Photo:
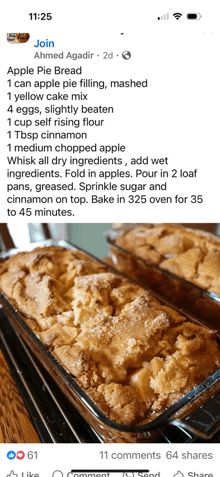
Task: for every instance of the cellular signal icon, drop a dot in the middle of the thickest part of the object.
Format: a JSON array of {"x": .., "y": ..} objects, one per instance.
[
  {"x": 164, "y": 17},
  {"x": 177, "y": 15}
]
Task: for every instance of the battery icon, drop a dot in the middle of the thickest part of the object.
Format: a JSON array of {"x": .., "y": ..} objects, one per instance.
[{"x": 193, "y": 16}]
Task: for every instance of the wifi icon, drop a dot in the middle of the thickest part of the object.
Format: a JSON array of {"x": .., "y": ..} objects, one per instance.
[{"x": 177, "y": 15}]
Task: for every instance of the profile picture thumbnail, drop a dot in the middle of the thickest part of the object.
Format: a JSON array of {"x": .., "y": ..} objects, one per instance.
[{"x": 18, "y": 37}]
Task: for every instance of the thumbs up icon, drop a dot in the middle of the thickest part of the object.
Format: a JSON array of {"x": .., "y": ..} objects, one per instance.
[{"x": 12, "y": 474}]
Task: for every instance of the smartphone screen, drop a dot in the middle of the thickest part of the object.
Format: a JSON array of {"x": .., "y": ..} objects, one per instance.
[{"x": 110, "y": 127}]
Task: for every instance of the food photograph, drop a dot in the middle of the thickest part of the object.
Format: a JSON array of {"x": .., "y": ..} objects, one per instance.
[{"x": 110, "y": 333}]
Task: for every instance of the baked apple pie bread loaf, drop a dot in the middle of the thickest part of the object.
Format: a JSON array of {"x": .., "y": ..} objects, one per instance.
[
  {"x": 190, "y": 254},
  {"x": 132, "y": 355}
]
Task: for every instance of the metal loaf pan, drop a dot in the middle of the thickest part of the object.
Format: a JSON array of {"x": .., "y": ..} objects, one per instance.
[{"x": 198, "y": 411}]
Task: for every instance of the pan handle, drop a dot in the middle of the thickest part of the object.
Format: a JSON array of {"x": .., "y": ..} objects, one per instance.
[{"x": 204, "y": 421}]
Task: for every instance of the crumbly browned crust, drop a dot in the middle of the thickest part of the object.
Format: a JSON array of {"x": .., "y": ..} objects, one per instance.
[
  {"x": 190, "y": 254},
  {"x": 132, "y": 355}
]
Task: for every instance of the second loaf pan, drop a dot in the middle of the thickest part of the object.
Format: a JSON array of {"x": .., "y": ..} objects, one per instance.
[{"x": 183, "y": 295}]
